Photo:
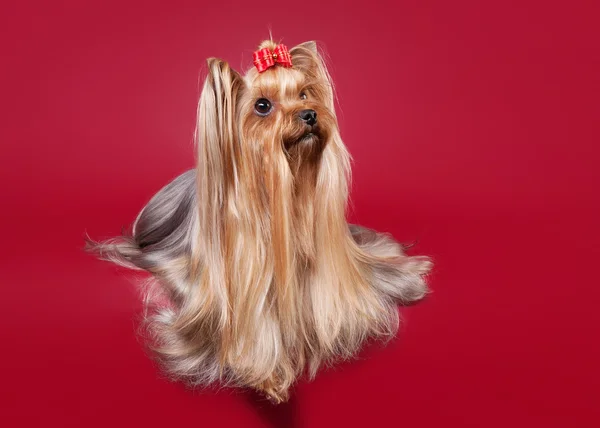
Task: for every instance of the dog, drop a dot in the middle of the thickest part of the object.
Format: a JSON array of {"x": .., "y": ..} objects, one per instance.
[{"x": 261, "y": 279}]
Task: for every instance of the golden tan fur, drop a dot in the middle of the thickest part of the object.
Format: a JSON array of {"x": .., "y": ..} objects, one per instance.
[{"x": 264, "y": 277}]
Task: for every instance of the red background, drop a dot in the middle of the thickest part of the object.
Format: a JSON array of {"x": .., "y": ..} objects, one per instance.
[{"x": 473, "y": 126}]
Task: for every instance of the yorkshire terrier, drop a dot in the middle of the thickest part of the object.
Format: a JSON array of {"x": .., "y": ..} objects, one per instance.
[{"x": 263, "y": 280}]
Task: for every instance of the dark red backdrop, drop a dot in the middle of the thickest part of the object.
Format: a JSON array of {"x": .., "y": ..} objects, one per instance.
[{"x": 474, "y": 129}]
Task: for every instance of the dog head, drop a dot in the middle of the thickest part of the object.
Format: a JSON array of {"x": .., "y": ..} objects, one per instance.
[
  {"x": 281, "y": 113},
  {"x": 289, "y": 108}
]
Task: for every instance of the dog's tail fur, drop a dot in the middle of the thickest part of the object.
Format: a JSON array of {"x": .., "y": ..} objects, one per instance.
[{"x": 159, "y": 232}]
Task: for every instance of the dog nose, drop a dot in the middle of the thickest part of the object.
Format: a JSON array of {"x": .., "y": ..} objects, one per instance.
[{"x": 309, "y": 116}]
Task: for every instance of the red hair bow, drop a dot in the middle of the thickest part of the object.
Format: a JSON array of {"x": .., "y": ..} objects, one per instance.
[{"x": 265, "y": 58}]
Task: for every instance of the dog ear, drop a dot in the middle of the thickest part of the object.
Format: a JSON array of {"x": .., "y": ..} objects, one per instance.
[
  {"x": 305, "y": 56},
  {"x": 218, "y": 106},
  {"x": 307, "y": 59},
  {"x": 217, "y": 140},
  {"x": 310, "y": 45}
]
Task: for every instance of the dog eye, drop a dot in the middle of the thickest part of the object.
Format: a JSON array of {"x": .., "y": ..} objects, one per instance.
[
  {"x": 303, "y": 95},
  {"x": 263, "y": 107}
]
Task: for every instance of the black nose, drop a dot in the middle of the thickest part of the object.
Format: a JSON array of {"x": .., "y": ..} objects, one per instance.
[{"x": 309, "y": 116}]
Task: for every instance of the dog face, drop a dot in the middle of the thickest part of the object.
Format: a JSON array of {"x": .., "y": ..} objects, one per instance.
[{"x": 287, "y": 108}]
